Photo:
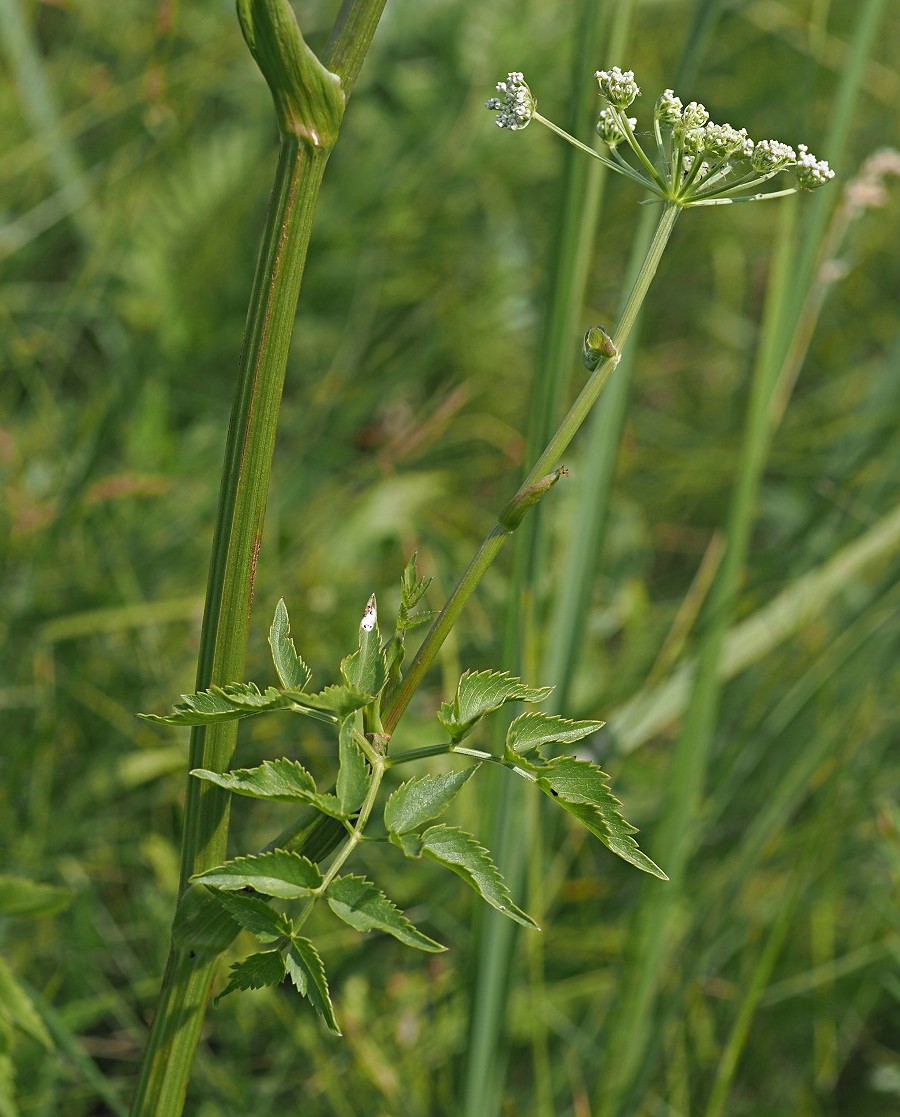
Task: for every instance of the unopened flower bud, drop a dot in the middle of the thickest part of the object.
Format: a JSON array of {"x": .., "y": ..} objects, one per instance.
[
  {"x": 668, "y": 108},
  {"x": 722, "y": 140},
  {"x": 694, "y": 116},
  {"x": 609, "y": 127},
  {"x": 687, "y": 164},
  {"x": 772, "y": 155},
  {"x": 619, "y": 88}
]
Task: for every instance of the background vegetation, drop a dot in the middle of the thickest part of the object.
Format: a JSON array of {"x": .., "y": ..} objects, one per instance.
[{"x": 138, "y": 157}]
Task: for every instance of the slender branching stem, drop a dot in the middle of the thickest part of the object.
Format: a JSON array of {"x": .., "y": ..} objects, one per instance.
[{"x": 547, "y": 462}]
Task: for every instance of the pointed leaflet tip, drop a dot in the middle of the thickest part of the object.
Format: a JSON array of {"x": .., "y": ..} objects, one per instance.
[
  {"x": 370, "y": 616},
  {"x": 292, "y": 671}
]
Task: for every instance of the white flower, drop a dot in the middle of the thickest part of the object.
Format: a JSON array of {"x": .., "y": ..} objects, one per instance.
[
  {"x": 619, "y": 88},
  {"x": 772, "y": 155},
  {"x": 811, "y": 172},
  {"x": 722, "y": 140}
]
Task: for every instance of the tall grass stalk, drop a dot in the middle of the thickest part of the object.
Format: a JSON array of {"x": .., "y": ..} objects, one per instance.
[
  {"x": 655, "y": 707},
  {"x": 582, "y": 195},
  {"x": 23, "y": 58},
  {"x": 309, "y": 99},
  {"x": 653, "y": 929}
]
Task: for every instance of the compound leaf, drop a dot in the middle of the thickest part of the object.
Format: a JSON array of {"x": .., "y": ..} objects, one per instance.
[{"x": 366, "y": 908}]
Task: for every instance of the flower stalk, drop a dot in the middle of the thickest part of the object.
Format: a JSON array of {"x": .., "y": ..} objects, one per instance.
[{"x": 696, "y": 162}]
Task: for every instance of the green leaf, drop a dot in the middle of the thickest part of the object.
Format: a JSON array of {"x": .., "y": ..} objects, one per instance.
[
  {"x": 366, "y": 908},
  {"x": 364, "y": 669},
  {"x": 292, "y": 671},
  {"x": 218, "y": 704},
  {"x": 16, "y": 1005},
  {"x": 460, "y": 852},
  {"x": 481, "y": 692},
  {"x": 255, "y": 972},
  {"x": 248, "y": 696},
  {"x": 289, "y": 876},
  {"x": 282, "y": 780},
  {"x": 422, "y": 799},
  {"x": 353, "y": 773},
  {"x": 412, "y": 587},
  {"x": 341, "y": 701},
  {"x": 255, "y": 916},
  {"x": 529, "y": 731},
  {"x": 308, "y": 974},
  {"x": 21, "y": 896},
  {"x": 583, "y": 790},
  {"x": 414, "y": 620}
]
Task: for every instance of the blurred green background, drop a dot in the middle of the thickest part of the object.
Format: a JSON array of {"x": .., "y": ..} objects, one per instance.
[{"x": 139, "y": 151}]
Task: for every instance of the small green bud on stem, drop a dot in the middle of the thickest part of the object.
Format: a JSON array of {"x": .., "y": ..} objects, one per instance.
[
  {"x": 513, "y": 513},
  {"x": 598, "y": 346}
]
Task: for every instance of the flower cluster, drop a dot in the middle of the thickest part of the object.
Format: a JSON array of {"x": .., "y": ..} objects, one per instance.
[
  {"x": 619, "y": 89},
  {"x": 811, "y": 172},
  {"x": 696, "y": 162},
  {"x": 609, "y": 127},
  {"x": 517, "y": 105}
]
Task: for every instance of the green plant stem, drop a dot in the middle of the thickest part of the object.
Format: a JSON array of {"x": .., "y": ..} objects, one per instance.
[
  {"x": 548, "y": 461},
  {"x": 515, "y": 819},
  {"x": 242, "y": 500},
  {"x": 352, "y": 841}
]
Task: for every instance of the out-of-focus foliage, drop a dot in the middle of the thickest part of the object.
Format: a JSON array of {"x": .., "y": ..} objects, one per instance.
[{"x": 137, "y": 160}]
